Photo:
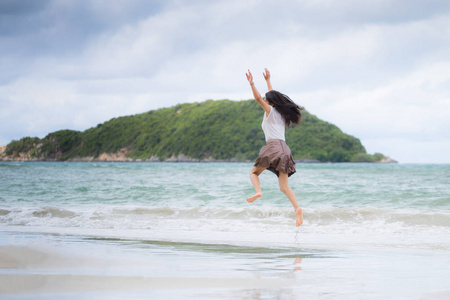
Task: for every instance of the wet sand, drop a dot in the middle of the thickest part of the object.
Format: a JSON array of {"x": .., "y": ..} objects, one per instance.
[
  {"x": 50, "y": 266},
  {"x": 37, "y": 270}
]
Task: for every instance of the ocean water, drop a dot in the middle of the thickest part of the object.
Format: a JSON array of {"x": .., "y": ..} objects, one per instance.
[{"x": 370, "y": 231}]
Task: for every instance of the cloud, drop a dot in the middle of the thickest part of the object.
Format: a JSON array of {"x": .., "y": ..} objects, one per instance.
[
  {"x": 376, "y": 69},
  {"x": 411, "y": 110},
  {"x": 407, "y": 150}
]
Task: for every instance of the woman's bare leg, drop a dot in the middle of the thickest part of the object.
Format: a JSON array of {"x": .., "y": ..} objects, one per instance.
[
  {"x": 256, "y": 171},
  {"x": 283, "y": 180}
]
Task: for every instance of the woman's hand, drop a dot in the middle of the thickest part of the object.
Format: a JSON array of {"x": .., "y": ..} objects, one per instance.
[
  {"x": 256, "y": 94},
  {"x": 266, "y": 74},
  {"x": 249, "y": 77}
]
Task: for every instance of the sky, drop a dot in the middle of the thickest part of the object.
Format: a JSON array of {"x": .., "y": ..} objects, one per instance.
[{"x": 379, "y": 70}]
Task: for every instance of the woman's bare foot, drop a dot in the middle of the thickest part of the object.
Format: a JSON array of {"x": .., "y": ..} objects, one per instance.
[
  {"x": 298, "y": 216},
  {"x": 254, "y": 197}
]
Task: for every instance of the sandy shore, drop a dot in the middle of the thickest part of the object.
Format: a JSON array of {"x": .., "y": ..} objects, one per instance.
[
  {"x": 26, "y": 269},
  {"x": 58, "y": 266},
  {"x": 39, "y": 283}
]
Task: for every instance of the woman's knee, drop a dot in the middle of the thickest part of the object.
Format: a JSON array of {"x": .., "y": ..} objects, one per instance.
[
  {"x": 283, "y": 182},
  {"x": 284, "y": 189},
  {"x": 256, "y": 171}
]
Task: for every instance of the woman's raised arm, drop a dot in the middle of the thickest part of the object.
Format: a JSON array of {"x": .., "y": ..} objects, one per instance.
[
  {"x": 266, "y": 75},
  {"x": 256, "y": 94}
]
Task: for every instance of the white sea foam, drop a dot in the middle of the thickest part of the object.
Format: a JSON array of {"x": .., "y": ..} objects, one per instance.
[
  {"x": 115, "y": 215},
  {"x": 333, "y": 226}
]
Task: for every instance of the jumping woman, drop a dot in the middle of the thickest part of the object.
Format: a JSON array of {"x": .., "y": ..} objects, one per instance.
[{"x": 279, "y": 112}]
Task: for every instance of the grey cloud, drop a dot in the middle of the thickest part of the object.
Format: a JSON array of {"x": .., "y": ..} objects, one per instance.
[
  {"x": 61, "y": 29},
  {"x": 20, "y": 7},
  {"x": 332, "y": 13}
]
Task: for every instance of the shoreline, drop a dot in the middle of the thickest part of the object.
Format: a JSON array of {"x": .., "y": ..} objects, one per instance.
[
  {"x": 122, "y": 156},
  {"x": 47, "y": 266},
  {"x": 33, "y": 268},
  {"x": 177, "y": 160}
]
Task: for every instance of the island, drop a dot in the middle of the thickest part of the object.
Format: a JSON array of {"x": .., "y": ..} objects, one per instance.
[{"x": 213, "y": 130}]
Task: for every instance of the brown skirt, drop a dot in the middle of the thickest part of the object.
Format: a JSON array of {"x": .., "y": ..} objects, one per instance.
[{"x": 276, "y": 157}]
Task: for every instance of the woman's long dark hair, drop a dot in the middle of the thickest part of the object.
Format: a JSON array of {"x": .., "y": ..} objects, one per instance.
[{"x": 290, "y": 111}]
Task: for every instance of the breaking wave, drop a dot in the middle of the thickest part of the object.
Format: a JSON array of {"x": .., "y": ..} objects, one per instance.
[{"x": 123, "y": 216}]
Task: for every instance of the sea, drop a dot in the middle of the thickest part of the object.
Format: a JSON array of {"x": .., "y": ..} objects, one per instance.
[{"x": 185, "y": 231}]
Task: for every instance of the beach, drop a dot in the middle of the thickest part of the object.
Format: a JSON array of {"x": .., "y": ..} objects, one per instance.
[{"x": 184, "y": 231}]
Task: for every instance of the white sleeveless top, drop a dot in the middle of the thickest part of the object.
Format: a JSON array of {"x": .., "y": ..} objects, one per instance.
[{"x": 273, "y": 125}]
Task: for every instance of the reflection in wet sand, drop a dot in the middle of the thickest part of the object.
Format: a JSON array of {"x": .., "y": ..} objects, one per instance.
[{"x": 297, "y": 262}]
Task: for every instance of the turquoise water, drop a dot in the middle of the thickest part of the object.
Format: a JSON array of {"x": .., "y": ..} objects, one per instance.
[
  {"x": 154, "y": 195},
  {"x": 223, "y": 184},
  {"x": 366, "y": 225}
]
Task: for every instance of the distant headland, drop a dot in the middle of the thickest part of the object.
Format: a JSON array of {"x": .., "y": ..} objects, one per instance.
[{"x": 222, "y": 130}]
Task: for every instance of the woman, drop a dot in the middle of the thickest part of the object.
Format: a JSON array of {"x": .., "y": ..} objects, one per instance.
[{"x": 275, "y": 156}]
